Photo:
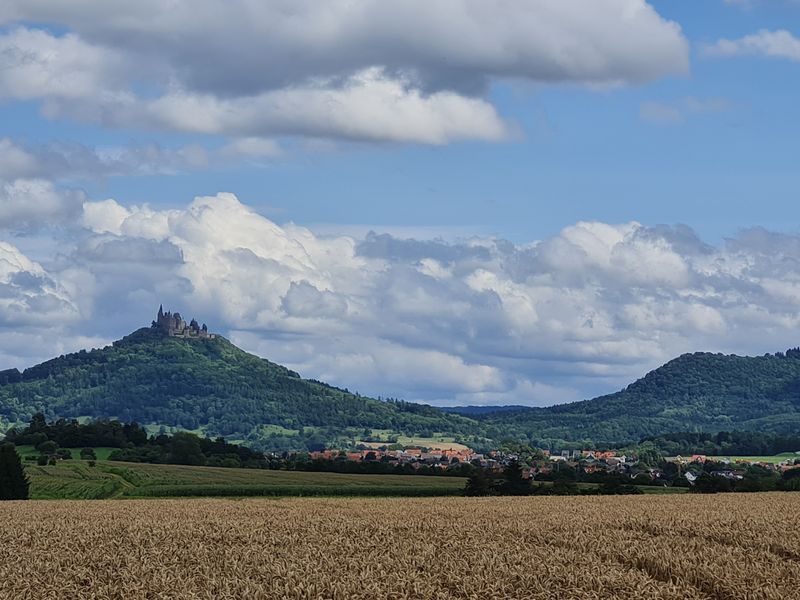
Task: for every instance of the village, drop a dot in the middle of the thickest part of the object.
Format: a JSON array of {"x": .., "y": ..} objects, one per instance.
[
  {"x": 540, "y": 462},
  {"x": 544, "y": 465}
]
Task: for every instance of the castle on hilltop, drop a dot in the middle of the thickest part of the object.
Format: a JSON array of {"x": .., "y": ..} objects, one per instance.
[{"x": 174, "y": 326}]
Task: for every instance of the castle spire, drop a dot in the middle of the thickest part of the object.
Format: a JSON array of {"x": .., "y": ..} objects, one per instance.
[{"x": 161, "y": 311}]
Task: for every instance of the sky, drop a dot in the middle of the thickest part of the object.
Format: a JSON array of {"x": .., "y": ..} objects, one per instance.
[{"x": 459, "y": 202}]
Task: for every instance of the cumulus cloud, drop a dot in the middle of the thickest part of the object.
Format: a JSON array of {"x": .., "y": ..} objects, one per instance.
[
  {"x": 29, "y": 296},
  {"x": 773, "y": 44},
  {"x": 371, "y": 70},
  {"x": 479, "y": 320}
]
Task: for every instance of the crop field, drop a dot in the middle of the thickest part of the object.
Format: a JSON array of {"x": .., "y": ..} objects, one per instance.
[
  {"x": 77, "y": 480},
  {"x": 678, "y": 547}
]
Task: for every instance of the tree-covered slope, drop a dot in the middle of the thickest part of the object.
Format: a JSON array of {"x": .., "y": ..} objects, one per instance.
[
  {"x": 207, "y": 384},
  {"x": 694, "y": 392}
]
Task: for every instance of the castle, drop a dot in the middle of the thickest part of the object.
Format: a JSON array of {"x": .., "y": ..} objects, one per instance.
[{"x": 174, "y": 326}]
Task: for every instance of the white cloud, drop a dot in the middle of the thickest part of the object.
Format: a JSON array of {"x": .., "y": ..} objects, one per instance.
[
  {"x": 368, "y": 106},
  {"x": 471, "y": 321},
  {"x": 35, "y": 64},
  {"x": 252, "y": 147},
  {"x": 31, "y": 203},
  {"x": 773, "y": 44},
  {"x": 677, "y": 112},
  {"x": 73, "y": 162},
  {"x": 377, "y": 70},
  {"x": 29, "y": 296}
]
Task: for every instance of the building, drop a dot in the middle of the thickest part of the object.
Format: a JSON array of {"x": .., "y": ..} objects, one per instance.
[{"x": 173, "y": 325}]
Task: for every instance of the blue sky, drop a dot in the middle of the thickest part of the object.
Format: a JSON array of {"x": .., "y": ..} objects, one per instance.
[{"x": 573, "y": 142}]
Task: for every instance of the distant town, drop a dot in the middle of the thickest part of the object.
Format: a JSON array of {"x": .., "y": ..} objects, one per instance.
[{"x": 541, "y": 463}]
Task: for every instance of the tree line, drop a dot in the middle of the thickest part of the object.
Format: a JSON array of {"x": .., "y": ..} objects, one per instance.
[{"x": 53, "y": 441}]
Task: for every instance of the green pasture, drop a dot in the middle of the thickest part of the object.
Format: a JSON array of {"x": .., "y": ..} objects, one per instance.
[
  {"x": 76, "y": 479},
  {"x": 774, "y": 460},
  {"x": 102, "y": 453}
]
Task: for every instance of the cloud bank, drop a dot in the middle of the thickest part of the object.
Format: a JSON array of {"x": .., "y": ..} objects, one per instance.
[
  {"x": 474, "y": 321},
  {"x": 371, "y": 70}
]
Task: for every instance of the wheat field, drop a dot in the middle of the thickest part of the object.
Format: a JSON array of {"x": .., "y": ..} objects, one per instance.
[{"x": 722, "y": 547}]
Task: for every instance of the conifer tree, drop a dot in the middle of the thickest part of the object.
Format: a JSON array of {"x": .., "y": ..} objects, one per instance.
[
  {"x": 477, "y": 484},
  {"x": 515, "y": 484},
  {"x": 13, "y": 481}
]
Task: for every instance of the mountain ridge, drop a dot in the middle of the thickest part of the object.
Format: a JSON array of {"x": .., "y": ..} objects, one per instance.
[
  {"x": 698, "y": 391},
  {"x": 208, "y": 384}
]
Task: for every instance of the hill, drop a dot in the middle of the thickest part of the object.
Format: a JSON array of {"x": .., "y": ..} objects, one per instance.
[
  {"x": 694, "y": 392},
  {"x": 210, "y": 386}
]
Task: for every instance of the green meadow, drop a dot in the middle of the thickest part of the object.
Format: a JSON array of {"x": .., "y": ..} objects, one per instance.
[{"x": 78, "y": 480}]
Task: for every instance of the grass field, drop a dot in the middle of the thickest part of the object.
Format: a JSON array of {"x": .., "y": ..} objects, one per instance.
[
  {"x": 102, "y": 453},
  {"x": 773, "y": 459},
  {"x": 77, "y": 480},
  {"x": 732, "y": 546},
  {"x": 436, "y": 442},
  {"x": 777, "y": 458}
]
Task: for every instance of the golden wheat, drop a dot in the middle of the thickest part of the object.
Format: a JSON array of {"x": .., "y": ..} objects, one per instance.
[{"x": 729, "y": 546}]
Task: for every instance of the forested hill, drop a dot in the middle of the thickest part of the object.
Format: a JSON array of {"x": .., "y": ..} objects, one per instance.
[
  {"x": 694, "y": 392},
  {"x": 211, "y": 386}
]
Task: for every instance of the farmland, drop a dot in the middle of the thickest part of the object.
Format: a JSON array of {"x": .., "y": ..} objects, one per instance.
[
  {"x": 677, "y": 547},
  {"x": 78, "y": 480}
]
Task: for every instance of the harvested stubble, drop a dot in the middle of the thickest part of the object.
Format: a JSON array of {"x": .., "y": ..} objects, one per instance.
[{"x": 729, "y": 546}]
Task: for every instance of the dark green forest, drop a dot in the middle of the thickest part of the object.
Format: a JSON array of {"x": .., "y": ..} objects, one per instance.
[
  {"x": 724, "y": 443},
  {"x": 699, "y": 392}
]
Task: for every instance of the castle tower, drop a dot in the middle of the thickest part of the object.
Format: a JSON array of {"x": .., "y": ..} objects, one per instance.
[{"x": 174, "y": 326}]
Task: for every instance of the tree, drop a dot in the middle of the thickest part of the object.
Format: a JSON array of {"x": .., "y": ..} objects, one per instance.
[
  {"x": 88, "y": 454},
  {"x": 47, "y": 447},
  {"x": 186, "y": 450},
  {"x": 514, "y": 484},
  {"x": 477, "y": 484},
  {"x": 13, "y": 481},
  {"x": 710, "y": 484}
]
